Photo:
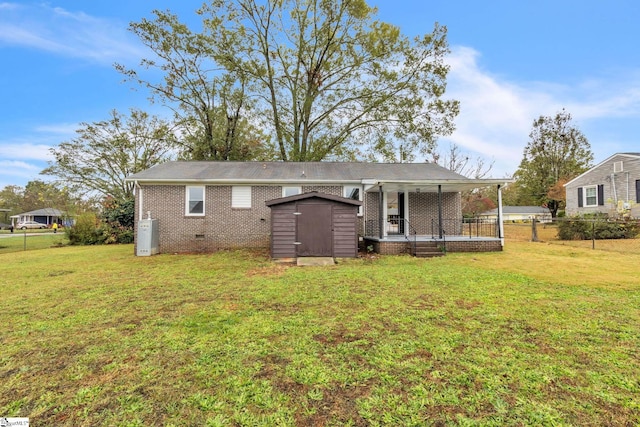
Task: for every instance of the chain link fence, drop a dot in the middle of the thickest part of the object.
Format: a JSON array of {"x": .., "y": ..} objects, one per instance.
[
  {"x": 27, "y": 240},
  {"x": 591, "y": 233}
]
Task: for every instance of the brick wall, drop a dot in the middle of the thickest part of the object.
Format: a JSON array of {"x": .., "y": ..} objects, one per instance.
[
  {"x": 371, "y": 210},
  {"x": 222, "y": 227},
  {"x": 334, "y": 190},
  {"x": 396, "y": 248},
  {"x": 423, "y": 212},
  {"x": 473, "y": 246}
]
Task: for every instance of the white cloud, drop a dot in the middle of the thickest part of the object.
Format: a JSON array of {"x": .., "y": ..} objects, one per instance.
[
  {"x": 17, "y": 172},
  {"x": 26, "y": 151},
  {"x": 73, "y": 34},
  {"x": 496, "y": 114}
]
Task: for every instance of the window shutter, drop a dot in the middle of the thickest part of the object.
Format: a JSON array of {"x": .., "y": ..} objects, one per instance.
[
  {"x": 637, "y": 190},
  {"x": 601, "y": 195},
  {"x": 240, "y": 197},
  {"x": 579, "y": 197}
]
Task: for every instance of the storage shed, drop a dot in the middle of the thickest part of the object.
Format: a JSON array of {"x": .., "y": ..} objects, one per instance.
[{"x": 314, "y": 224}]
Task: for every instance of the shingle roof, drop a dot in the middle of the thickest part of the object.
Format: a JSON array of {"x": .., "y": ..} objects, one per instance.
[
  {"x": 44, "y": 212},
  {"x": 519, "y": 210},
  {"x": 310, "y": 195},
  {"x": 293, "y": 171}
]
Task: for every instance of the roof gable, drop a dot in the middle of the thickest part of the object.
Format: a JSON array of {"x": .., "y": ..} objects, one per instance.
[
  {"x": 605, "y": 161},
  {"x": 312, "y": 194}
]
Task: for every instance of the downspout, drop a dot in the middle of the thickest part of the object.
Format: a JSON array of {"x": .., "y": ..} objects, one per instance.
[
  {"x": 500, "y": 224},
  {"x": 440, "y": 211},
  {"x": 139, "y": 197},
  {"x": 380, "y": 213}
]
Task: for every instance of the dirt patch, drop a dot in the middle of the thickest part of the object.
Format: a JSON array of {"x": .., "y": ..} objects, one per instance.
[
  {"x": 338, "y": 336},
  {"x": 338, "y": 406},
  {"x": 270, "y": 270},
  {"x": 467, "y": 305}
]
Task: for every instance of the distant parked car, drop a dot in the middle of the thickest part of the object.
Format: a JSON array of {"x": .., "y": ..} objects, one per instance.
[{"x": 30, "y": 224}]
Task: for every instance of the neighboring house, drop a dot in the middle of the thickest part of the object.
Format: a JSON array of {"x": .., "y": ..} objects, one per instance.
[
  {"x": 207, "y": 206},
  {"x": 519, "y": 213},
  {"x": 612, "y": 187},
  {"x": 46, "y": 216}
]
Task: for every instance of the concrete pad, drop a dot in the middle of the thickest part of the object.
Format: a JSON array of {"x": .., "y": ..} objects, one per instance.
[{"x": 315, "y": 260}]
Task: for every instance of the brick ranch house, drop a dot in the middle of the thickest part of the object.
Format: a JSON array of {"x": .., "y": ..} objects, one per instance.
[{"x": 203, "y": 206}]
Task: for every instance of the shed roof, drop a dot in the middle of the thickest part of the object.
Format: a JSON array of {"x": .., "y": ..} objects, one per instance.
[{"x": 312, "y": 194}]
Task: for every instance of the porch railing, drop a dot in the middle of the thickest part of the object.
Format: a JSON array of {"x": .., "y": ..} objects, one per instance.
[
  {"x": 467, "y": 227},
  {"x": 411, "y": 231},
  {"x": 461, "y": 227}
]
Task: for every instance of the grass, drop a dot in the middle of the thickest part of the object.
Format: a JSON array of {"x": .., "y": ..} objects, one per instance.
[
  {"x": 536, "y": 335},
  {"x": 16, "y": 242},
  {"x": 548, "y": 233}
]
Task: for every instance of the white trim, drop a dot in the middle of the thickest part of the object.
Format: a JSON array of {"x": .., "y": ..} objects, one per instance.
[
  {"x": 187, "y": 199},
  {"x": 585, "y": 197}
]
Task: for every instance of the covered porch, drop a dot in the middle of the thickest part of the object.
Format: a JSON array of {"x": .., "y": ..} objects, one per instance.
[{"x": 402, "y": 217}]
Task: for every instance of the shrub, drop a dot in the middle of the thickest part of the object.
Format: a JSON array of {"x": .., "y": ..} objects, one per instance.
[
  {"x": 117, "y": 221},
  {"x": 85, "y": 231},
  {"x": 597, "y": 226}
]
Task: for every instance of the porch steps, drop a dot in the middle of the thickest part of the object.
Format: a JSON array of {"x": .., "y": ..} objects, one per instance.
[{"x": 425, "y": 249}]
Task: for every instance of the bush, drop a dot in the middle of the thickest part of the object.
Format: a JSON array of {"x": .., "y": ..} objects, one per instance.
[
  {"x": 117, "y": 221},
  {"x": 115, "y": 224},
  {"x": 85, "y": 231},
  {"x": 597, "y": 226}
]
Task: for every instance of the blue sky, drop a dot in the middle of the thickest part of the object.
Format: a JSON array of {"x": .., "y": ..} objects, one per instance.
[{"x": 511, "y": 62}]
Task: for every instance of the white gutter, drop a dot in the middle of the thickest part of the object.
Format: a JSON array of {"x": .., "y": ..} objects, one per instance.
[{"x": 139, "y": 189}]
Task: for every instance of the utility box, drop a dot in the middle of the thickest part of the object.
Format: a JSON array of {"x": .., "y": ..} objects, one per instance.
[{"x": 147, "y": 243}]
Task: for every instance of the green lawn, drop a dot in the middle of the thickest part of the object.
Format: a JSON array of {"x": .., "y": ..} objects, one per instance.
[
  {"x": 536, "y": 335},
  {"x": 17, "y": 241}
]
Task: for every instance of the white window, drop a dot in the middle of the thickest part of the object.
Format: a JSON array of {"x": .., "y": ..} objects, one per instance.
[
  {"x": 354, "y": 192},
  {"x": 240, "y": 197},
  {"x": 291, "y": 191},
  {"x": 194, "y": 203},
  {"x": 591, "y": 196}
]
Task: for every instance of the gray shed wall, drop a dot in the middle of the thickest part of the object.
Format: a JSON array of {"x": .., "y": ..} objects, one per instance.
[{"x": 344, "y": 228}]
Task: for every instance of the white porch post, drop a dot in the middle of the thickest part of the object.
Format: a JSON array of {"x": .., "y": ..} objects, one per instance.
[
  {"x": 500, "y": 223},
  {"x": 385, "y": 212},
  {"x": 440, "y": 211},
  {"x": 406, "y": 213},
  {"x": 380, "y": 213}
]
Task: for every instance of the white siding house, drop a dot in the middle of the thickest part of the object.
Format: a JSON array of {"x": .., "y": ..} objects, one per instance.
[{"x": 611, "y": 187}]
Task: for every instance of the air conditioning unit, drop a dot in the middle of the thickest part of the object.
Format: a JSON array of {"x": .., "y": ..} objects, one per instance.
[{"x": 147, "y": 242}]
